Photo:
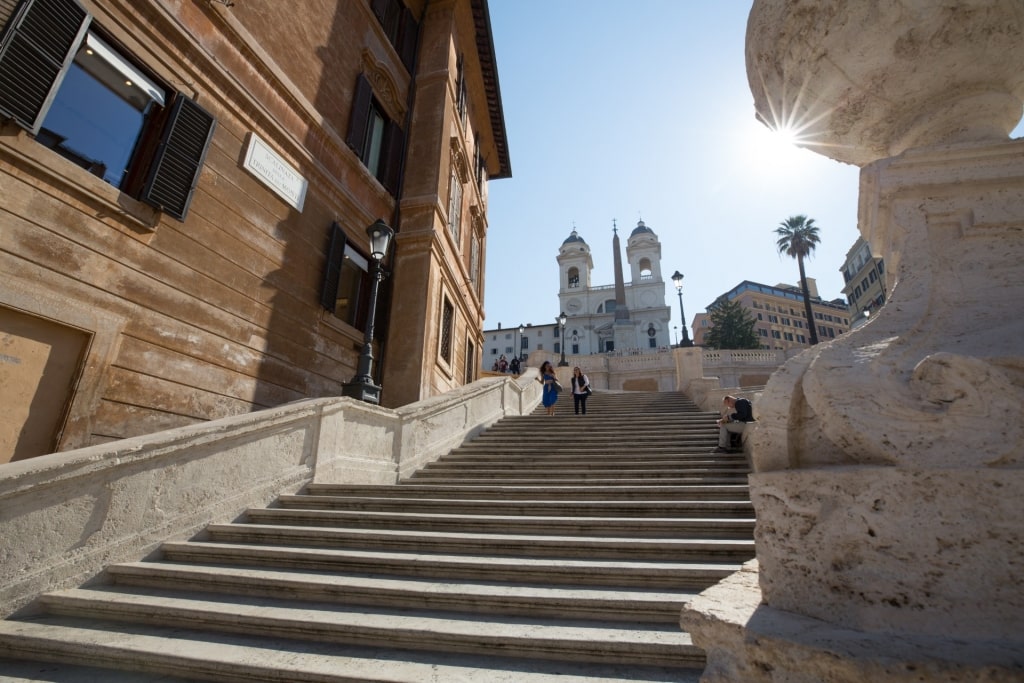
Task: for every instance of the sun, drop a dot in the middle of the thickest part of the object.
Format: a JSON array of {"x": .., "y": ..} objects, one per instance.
[{"x": 774, "y": 150}]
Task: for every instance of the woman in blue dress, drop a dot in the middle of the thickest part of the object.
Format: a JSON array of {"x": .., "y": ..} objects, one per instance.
[{"x": 547, "y": 378}]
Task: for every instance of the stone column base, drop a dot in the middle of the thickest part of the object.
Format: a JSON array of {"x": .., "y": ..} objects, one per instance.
[{"x": 749, "y": 642}]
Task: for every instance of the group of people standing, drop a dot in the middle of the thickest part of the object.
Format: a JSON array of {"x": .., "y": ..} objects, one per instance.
[
  {"x": 580, "y": 388},
  {"x": 503, "y": 365}
]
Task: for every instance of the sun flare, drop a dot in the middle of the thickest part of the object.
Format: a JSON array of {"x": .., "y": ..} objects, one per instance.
[{"x": 774, "y": 151}]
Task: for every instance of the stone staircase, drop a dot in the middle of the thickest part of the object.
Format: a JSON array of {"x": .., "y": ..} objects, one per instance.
[{"x": 547, "y": 547}]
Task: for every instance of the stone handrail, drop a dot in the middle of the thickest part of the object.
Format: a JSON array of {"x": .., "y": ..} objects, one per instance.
[
  {"x": 768, "y": 357},
  {"x": 67, "y": 515}
]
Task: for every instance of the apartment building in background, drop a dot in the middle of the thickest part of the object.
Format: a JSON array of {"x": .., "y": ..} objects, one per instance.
[
  {"x": 864, "y": 275},
  {"x": 779, "y": 318}
]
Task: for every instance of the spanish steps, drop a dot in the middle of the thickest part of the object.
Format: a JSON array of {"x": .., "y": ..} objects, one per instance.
[{"x": 547, "y": 548}]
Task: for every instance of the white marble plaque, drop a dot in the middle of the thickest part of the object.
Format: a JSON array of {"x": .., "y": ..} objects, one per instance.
[{"x": 274, "y": 172}]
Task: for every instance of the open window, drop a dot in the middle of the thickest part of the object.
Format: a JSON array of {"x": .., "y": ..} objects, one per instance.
[
  {"x": 377, "y": 140},
  {"x": 646, "y": 271},
  {"x": 573, "y": 277},
  {"x": 346, "y": 289},
  {"x": 71, "y": 87}
]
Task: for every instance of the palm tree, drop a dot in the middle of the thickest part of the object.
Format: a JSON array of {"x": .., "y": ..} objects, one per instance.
[{"x": 798, "y": 236}]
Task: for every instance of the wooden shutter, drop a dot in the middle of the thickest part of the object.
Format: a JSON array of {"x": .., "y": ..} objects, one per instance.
[
  {"x": 7, "y": 8},
  {"x": 360, "y": 115},
  {"x": 38, "y": 46},
  {"x": 391, "y": 173},
  {"x": 179, "y": 158},
  {"x": 332, "y": 273},
  {"x": 380, "y": 9},
  {"x": 408, "y": 33}
]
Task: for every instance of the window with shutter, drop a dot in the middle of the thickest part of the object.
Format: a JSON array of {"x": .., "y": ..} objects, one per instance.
[
  {"x": 447, "y": 330},
  {"x": 68, "y": 84},
  {"x": 175, "y": 170},
  {"x": 400, "y": 27},
  {"x": 378, "y": 141},
  {"x": 470, "y": 372},
  {"x": 455, "y": 206},
  {"x": 346, "y": 288},
  {"x": 346, "y": 281},
  {"x": 460, "y": 88}
]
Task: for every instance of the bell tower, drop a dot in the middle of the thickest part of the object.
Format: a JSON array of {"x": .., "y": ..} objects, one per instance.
[
  {"x": 647, "y": 288},
  {"x": 643, "y": 252},
  {"x": 574, "y": 268}
]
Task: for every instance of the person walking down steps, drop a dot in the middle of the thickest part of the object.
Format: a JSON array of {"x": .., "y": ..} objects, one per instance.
[
  {"x": 580, "y": 391},
  {"x": 551, "y": 386},
  {"x": 737, "y": 414}
]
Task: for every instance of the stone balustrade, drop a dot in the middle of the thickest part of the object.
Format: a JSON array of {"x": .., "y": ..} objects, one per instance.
[{"x": 67, "y": 515}]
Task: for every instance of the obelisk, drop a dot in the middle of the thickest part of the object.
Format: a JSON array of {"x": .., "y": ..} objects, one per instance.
[{"x": 625, "y": 333}]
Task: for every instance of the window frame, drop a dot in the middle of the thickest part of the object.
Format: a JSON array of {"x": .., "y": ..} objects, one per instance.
[
  {"x": 40, "y": 42},
  {"x": 342, "y": 252},
  {"x": 455, "y": 201},
  {"x": 383, "y": 161},
  {"x": 446, "y": 331},
  {"x": 470, "y": 366}
]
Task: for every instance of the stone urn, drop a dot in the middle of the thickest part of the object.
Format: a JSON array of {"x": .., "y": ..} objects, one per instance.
[
  {"x": 889, "y": 464},
  {"x": 865, "y": 80}
]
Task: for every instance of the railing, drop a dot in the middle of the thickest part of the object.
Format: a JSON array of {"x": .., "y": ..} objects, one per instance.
[{"x": 765, "y": 357}]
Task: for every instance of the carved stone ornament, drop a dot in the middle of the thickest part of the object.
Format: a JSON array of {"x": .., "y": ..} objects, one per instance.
[
  {"x": 385, "y": 87},
  {"x": 459, "y": 160}
]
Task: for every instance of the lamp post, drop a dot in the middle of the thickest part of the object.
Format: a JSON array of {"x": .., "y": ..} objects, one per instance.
[
  {"x": 519, "y": 348},
  {"x": 362, "y": 386},
  {"x": 561, "y": 321},
  {"x": 677, "y": 279},
  {"x": 676, "y": 328}
]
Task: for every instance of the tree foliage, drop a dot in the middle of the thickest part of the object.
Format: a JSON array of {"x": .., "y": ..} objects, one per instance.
[
  {"x": 732, "y": 326},
  {"x": 798, "y": 237}
]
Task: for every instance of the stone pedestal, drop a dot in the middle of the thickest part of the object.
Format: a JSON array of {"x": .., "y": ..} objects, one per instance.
[{"x": 889, "y": 464}]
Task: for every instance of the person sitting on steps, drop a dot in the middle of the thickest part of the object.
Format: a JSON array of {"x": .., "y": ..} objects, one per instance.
[{"x": 738, "y": 412}]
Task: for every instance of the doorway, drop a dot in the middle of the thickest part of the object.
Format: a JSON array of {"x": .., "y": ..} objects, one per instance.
[{"x": 40, "y": 362}]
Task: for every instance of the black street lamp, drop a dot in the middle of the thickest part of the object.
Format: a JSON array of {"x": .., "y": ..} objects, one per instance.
[
  {"x": 561, "y": 321},
  {"x": 362, "y": 386},
  {"x": 677, "y": 279},
  {"x": 519, "y": 349}
]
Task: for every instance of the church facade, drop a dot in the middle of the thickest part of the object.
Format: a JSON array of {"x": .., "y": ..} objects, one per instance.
[{"x": 623, "y": 316}]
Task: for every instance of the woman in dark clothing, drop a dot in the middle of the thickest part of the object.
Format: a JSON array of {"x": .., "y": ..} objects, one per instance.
[{"x": 580, "y": 391}]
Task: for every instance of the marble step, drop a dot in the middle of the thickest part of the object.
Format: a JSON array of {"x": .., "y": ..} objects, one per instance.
[
  {"x": 540, "y": 479},
  {"x": 561, "y": 493},
  {"x": 555, "y": 525},
  {"x": 509, "y": 598},
  {"x": 697, "y": 446},
  {"x": 602, "y": 473},
  {"x": 563, "y": 639},
  {"x": 540, "y": 506},
  {"x": 498, "y": 544},
  {"x": 249, "y": 658},
  {"x": 517, "y": 460},
  {"x": 555, "y": 571}
]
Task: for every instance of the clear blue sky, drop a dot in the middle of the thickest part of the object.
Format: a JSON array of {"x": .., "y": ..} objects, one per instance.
[{"x": 623, "y": 110}]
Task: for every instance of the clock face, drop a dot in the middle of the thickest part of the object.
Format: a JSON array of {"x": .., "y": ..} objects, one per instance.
[
  {"x": 651, "y": 332},
  {"x": 573, "y": 305}
]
